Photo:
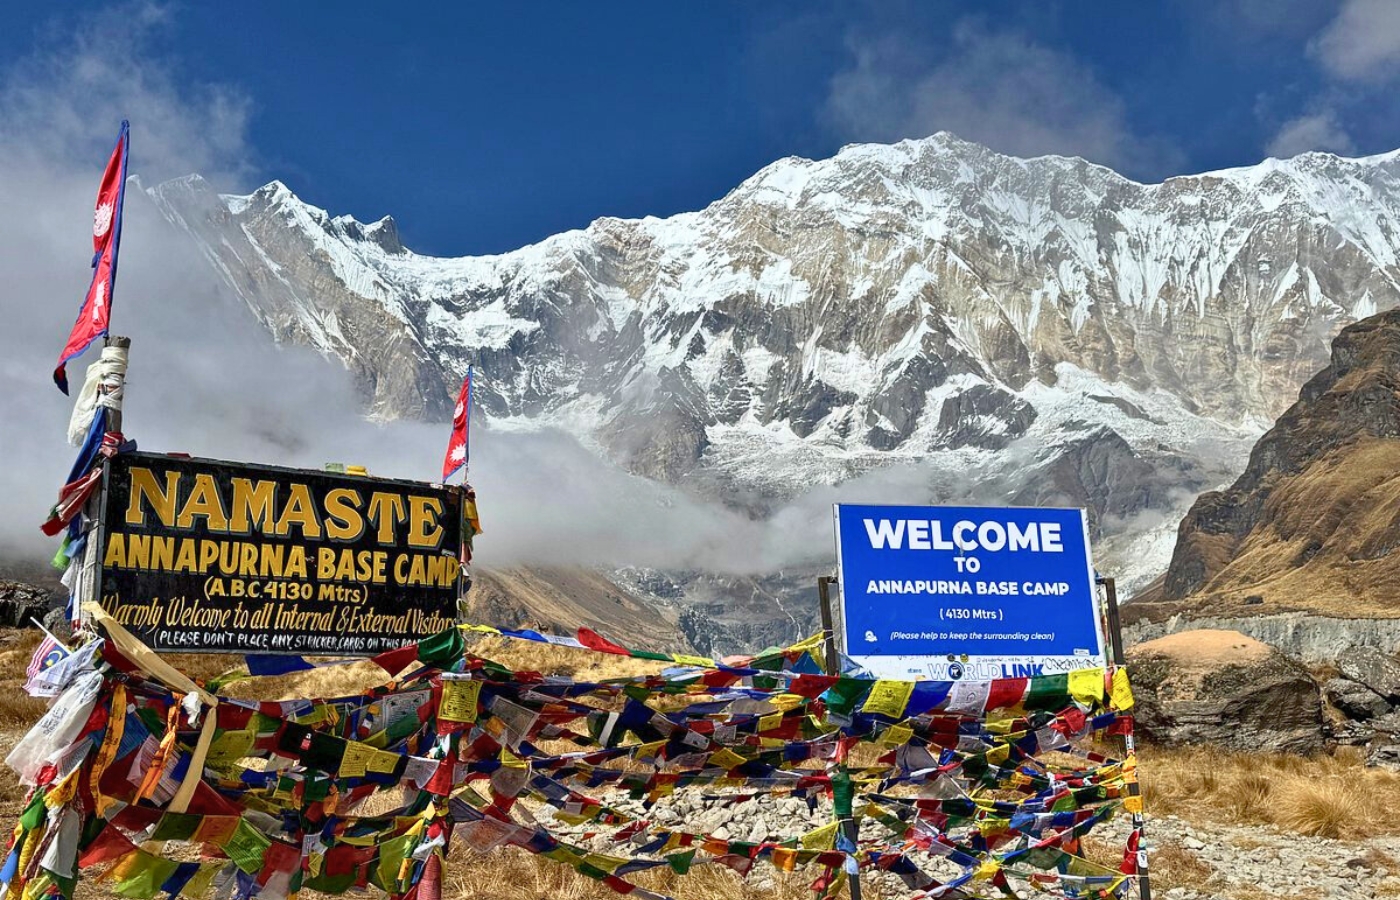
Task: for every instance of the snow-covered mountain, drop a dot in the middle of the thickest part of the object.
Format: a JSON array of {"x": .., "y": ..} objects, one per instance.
[{"x": 1039, "y": 330}]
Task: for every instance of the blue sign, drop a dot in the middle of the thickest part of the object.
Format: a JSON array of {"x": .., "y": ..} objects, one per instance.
[{"x": 967, "y": 592}]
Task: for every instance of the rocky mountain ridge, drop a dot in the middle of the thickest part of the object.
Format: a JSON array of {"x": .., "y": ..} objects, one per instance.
[
  {"x": 1311, "y": 524},
  {"x": 1018, "y": 331}
]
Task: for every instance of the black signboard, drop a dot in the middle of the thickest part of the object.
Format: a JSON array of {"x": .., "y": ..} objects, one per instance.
[{"x": 205, "y": 555}]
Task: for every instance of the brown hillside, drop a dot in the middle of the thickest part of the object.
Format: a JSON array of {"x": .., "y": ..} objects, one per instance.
[
  {"x": 1311, "y": 523},
  {"x": 562, "y": 599}
]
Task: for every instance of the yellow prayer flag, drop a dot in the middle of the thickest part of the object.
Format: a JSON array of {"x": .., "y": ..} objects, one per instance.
[
  {"x": 459, "y": 699},
  {"x": 897, "y": 735},
  {"x": 317, "y": 715},
  {"x": 199, "y": 885},
  {"x": 726, "y": 759},
  {"x": 1121, "y": 694},
  {"x": 229, "y": 747},
  {"x": 357, "y": 756},
  {"x": 889, "y": 698},
  {"x": 1086, "y": 685},
  {"x": 382, "y": 762},
  {"x": 608, "y": 864},
  {"x": 823, "y": 838},
  {"x": 787, "y": 702}
]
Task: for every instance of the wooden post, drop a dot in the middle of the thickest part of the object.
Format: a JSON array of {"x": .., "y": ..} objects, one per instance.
[
  {"x": 845, "y": 817},
  {"x": 90, "y": 577},
  {"x": 114, "y": 414},
  {"x": 1119, "y": 657}
]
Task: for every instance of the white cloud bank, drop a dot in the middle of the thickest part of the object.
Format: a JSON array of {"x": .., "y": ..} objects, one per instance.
[{"x": 1001, "y": 88}]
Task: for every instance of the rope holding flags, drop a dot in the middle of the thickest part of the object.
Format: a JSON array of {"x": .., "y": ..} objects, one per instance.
[{"x": 964, "y": 789}]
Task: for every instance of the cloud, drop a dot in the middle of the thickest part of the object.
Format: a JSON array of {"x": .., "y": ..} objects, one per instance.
[
  {"x": 1320, "y": 130},
  {"x": 1357, "y": 54},
  {"x": 1362, "y": 44},
  {"x": 999, "y": 88},
  {"x": 205, "y": 378},
  {"x": 1252, "y": 24}
]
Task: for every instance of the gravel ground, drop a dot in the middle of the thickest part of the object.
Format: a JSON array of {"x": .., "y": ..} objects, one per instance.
[{"x": 1190, "y": 860}]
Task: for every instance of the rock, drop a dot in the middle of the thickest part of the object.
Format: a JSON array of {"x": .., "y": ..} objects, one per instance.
[
  {"x": 20, "y": 602},
  {"x": 1220, "y": 687},
  {"x": 57, "y": 622},
  {"x": 1374, "y": 669},
  {"x": 1354, "y": 700},
  {"x": 1386, "y": 724},
  {"x": 1351, "y": 734}
]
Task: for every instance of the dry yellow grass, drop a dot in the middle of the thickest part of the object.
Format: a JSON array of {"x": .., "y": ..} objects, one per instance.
[
  {"x": 17, "y": 709},
  {"x": 1332, "y": 796},
  {"x": 551, "y": 659},
  {"x": 513, "y": 874},
  {"x": 347, "y": 680}
]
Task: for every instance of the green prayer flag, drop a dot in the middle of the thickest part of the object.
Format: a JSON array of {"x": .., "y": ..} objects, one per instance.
[
  {"x": 141, "y": 879},
  {"x": 246, "y": 847},
  {"x": 33, "y": 814},
  {"x": 1048, "y": 692},
  {"x": 391, "y": 855},
  {"x": 442, "y": 649},
  {"x": 842, "y": 697},
  {"x": 176, "y": 827}
]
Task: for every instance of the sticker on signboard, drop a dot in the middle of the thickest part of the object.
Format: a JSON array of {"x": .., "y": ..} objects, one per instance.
[{"x": 973, "y": 593}]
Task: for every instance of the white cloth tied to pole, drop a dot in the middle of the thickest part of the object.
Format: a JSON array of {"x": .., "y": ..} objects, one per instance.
[
  {"x": 58, "y": 728},
  {"x": 103, "y": 386}
]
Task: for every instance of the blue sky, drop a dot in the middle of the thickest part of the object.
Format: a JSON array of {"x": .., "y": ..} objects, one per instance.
[{"x": 482, "y": 127}]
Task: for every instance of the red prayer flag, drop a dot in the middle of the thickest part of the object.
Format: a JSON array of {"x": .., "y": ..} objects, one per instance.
[
  {"x": 595, "y": 641},
  {"x": 1006, "y": 692},
  {"x": 457, "y": 453},
  {"x": 109, "y": 844},
  {"x": 95, "y": 315},
  {"x": 395, "y": 661}
]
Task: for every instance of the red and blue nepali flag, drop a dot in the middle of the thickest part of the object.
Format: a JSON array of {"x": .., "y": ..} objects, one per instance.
[
  {"x": 457, "y": 454},
  {"x": 95, "y": 315}
]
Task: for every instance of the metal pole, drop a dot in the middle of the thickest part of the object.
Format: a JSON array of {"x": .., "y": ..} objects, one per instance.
[
  {"x": 828, "y": 625},
  {"x": 841, "y": 789},
  {"x": 1115, "y": 631}
]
